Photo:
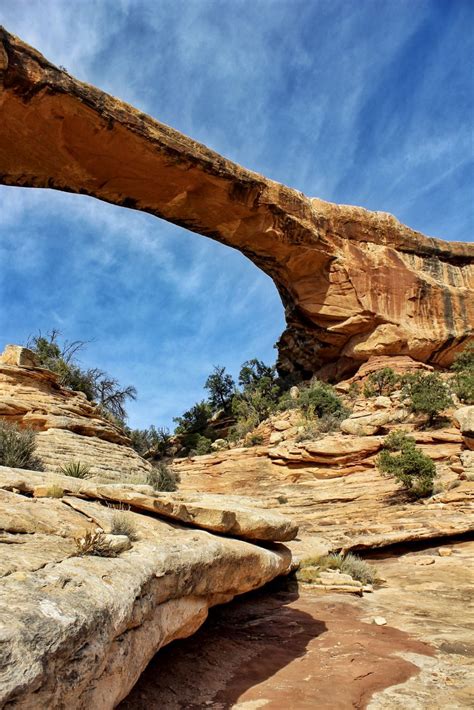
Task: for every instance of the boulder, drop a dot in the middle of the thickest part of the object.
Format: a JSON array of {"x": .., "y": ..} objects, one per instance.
[
  {"x": 464, "y": 418},
  {"x": 18, "y": 355},
  {"x": 369, "y": 424}
]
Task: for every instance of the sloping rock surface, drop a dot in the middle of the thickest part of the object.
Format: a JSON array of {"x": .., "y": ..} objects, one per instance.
[
  {"x": 68, "y": 426},
  {"x": 354, "y": 283},
  {"x": 332, "y": 489},
  {"x": 230, "y": 515},
  {"x": 77, "y": 631}
]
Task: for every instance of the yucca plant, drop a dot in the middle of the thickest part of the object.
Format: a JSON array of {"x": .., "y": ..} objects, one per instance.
[{"x": 75, "y": 469}]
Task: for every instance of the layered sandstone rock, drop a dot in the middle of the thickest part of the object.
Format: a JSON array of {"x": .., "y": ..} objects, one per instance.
[
  {"x": 228, "y": 515},
  {"x": 68, "y": 426},
  {"x": 77, "y": 631},
  {"x": 332, "y": 489},
  {"x": 354, "y": 283}
]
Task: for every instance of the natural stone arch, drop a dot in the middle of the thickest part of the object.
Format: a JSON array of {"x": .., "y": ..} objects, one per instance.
[{"x": 353, "y": 282}]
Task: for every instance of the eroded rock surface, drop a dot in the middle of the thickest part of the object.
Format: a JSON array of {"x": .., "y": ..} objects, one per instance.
[
  {"x": 230, "y": 515},
  {"x": 296, "y": 649},
  {"x": 354, "y": 283},
  {"x": 77, "y": 631},
  {"x": 68, "y": 426}
]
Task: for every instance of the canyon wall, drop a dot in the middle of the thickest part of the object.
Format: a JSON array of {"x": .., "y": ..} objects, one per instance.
[{"x": 353, "y": 283}]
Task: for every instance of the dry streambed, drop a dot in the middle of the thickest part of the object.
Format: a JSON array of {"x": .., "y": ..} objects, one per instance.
[{"x": 282, "y": 648}]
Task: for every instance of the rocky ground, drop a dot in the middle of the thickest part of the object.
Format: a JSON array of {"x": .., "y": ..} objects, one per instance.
[
  {"x": 290, "y": 647},
  {"x": 78, "y": 630}
]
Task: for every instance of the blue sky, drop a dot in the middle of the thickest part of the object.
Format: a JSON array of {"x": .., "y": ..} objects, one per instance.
[{"x": 367, "y": 102}]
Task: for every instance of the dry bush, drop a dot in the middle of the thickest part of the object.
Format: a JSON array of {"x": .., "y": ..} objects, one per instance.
[{"x": 94, "y": 543}]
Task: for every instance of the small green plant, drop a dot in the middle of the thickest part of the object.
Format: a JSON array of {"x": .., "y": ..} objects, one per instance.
[
  {"x": 398, "y": 440},
  {"x": 427, "y": 394},
  {"x": 75, "y": 469},
  {"x": 253, "y": 440},
  {"x": 354, "y": 390},
  {"x": 309, "y": 432},
  {"x": 463, "y": 386},
  {"x": 320, "y": 400},
  {"x": 381, "y": 382},
  {"x": 408, "y": 465},
  {"x": 203, "y": 446},
  {"x": 123, "y": 524},
  {"x": 349, "y": 564},
  {"x": 242, "y": 428},
  {"x": 463, "y": 381},
  {"x": 94, "y": 543},
  {"x": 54, "y": 492},
  {"x": 315, "y": 428},
  {"x": 163, "y": 478},
  {"x": 17, "y": 447},
  {"x": 158, "y": 442},
  {"x": 464, "y": 361},
  {"x": 329, "y": 423}
]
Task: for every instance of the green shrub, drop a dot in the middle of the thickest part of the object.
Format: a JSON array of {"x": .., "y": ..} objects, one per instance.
[
  {"x": 329, "y": 423},
  {"x": 123, "y": 524},
  {"x": 463, "y": 381},
  {"x": 349, "y": 564},
  {"x": 408, "y": 465},
  {"x": 314, "y": 429},
  {"x": 158, "y": 441},
  {"x": 427, "y": 394},
  {"x": 163, "y": 478},
  {"x": 202, "y": 446},
  {"x": 463, "y": 386},
  {"x": 381, "y": 382},
  {"x": 242, "y": 428},
  {"x": 254, "y": 440},
  {"x": 398, "y": 440},
  {"x": 464, "y": 361},
  {"x": 354, "y": 390},
  {"x": 321, "y": 400},
  {"x": 17, "y": 447},
  {"x": 96, "y": 384},
  {"x": 75, "y": 469}
]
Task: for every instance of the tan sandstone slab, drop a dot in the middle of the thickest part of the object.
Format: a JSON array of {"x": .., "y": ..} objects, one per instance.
[
  {"x": 78, "y": 631},
  {"x": 221, "y": 514}
]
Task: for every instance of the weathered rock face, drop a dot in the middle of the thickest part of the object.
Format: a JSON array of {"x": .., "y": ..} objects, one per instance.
[
  {"x": 68, "y": 426},
  {"x": 77, "y": 631},
  {"x": 354, "y": 283}
]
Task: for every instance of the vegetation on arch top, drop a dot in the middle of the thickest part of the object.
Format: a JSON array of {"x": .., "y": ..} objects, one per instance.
[{"x": 353, "y": 283}]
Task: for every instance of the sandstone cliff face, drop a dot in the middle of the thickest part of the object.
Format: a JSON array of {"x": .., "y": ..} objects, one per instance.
[
  {"x": 353, "y": 283},
  {"x": 68, "y": 426}
]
